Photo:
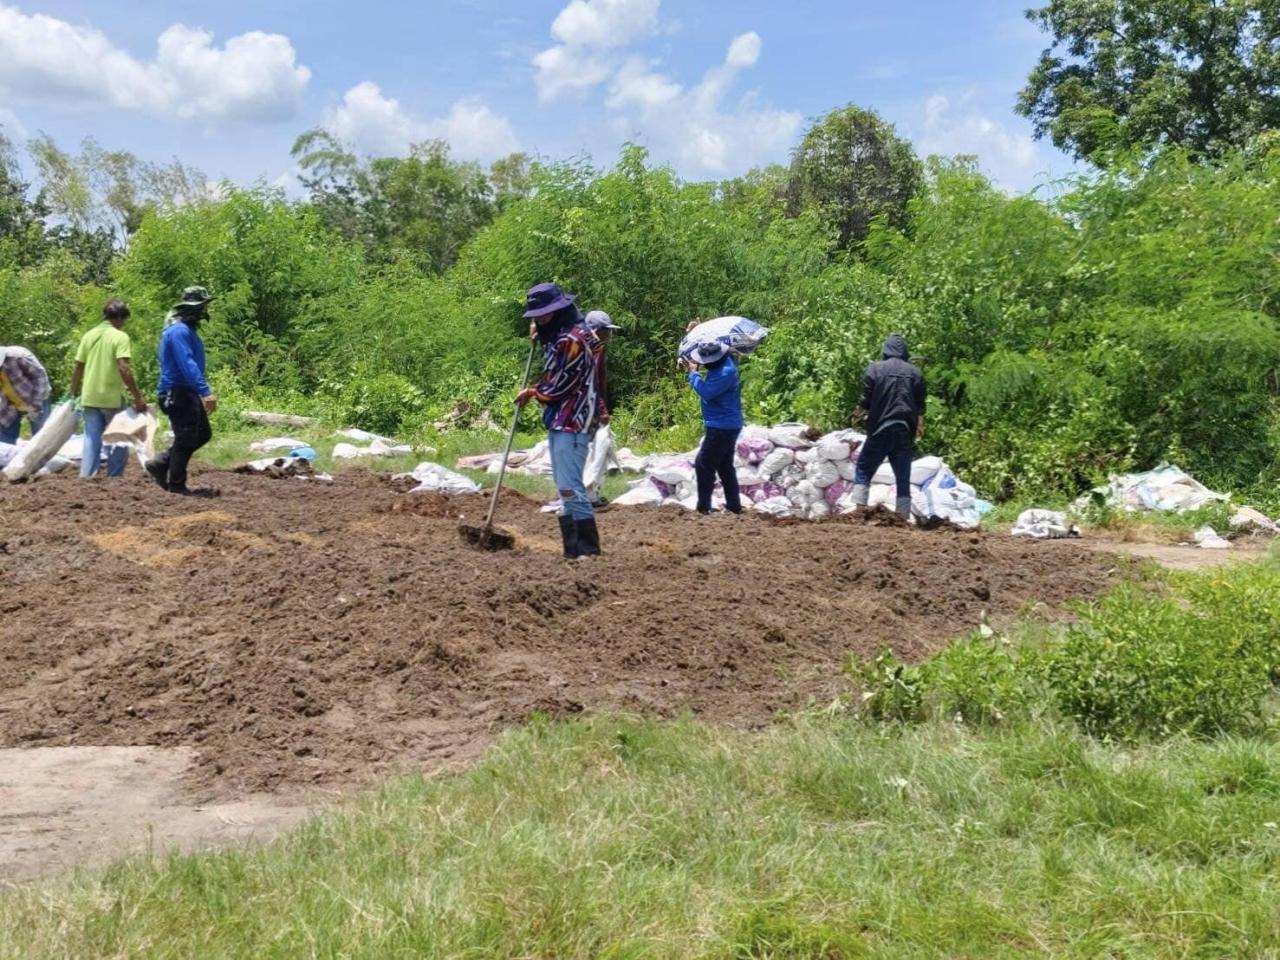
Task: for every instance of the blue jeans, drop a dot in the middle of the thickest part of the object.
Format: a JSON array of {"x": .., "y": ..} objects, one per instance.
[
  {"x": 568, "y": 461},
  {"x": 10, "y": 433},
  {"x": 95, "y": 424},
  {"x": 894, "y": 444}
]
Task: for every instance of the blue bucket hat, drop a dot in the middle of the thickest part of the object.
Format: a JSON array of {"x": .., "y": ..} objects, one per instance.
[{"x": 546, "y": 298}]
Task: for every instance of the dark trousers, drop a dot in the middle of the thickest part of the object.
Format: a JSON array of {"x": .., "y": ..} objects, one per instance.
[
  {"x": 191, "y": 431},
  {"x": 716, "y": 459},
  {"x": 894, "y": 444}
]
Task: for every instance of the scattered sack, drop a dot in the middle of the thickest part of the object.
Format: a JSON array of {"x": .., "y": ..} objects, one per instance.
[
  {"x": 42, "y": 448},
  {"x": 378, "y": 448},
  {"x": 433, "y": 478},
  {"x": 1249, "y": 520},
  {"x": 279, "y": 467},
  {"x": 271, "y": 444},
  {"x": 133, "y": 429},
  {"x": 642, "y": 493},
  {"x": 361, "y": 436},
  {"x": 1044, "y": 525},
  {"x": 1166, "y": 489},
  {"x": 598, "y": 458},
  {"x": 1208, "y": 539}
]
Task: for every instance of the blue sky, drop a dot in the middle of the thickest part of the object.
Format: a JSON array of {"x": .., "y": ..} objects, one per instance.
[{"x": 712, "y": 88}]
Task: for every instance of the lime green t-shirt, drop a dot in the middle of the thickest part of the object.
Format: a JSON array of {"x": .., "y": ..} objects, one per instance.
[{"x": 99, "y": 350}]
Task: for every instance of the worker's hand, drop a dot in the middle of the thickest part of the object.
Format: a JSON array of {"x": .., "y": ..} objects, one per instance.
[
  {"x": 140, "y": 405},
  {"x": 533, "y": 329},
  {"x": 210, "y": 403},
  {"x": 604, "y": 420},
  {"x": 524, "y": 396},
  {"x": 858, "y": 415},
  {"x": 688, "y": 364},
  {"x": 691, "y": 325},
  {"x": 920, "y": 428}
]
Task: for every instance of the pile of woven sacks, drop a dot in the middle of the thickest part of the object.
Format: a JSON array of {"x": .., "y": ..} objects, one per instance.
[{"x": 789, "y": 470}]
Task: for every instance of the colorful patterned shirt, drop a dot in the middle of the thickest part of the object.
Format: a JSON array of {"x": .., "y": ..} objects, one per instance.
[
  {"x": 568, "y": 388},
  {"x": 24, "y": 385}
]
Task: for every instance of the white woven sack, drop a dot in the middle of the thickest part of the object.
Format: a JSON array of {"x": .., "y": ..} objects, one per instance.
[
  {"x": 822, "y": 473},
  {"x": 777, "y": 460},
  {"x": 833, "y": 448},
  {"x": 790, "y": 435}
]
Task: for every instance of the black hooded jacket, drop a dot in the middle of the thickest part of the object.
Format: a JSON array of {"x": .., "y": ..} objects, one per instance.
[{"x": 892, "y": 388}]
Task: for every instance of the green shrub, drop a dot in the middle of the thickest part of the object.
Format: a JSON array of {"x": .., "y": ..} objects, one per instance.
[
  {"x": 979, "y": 679},
  {"x": 1198, "y": 657}
]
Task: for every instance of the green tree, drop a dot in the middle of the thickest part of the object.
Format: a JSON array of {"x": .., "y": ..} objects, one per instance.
[
  {"x": 428, "y": 205},
  {"x": 1198, "y": 74},
  {"x": 22, "y": 237},
  {"x": 853, "y": 168},
  {"x": 109, "y": 191}
]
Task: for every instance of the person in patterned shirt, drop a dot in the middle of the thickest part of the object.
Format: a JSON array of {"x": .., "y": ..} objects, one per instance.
[
  {"x": 24, "y": 392},
  {"x": 569, "y": 393}
]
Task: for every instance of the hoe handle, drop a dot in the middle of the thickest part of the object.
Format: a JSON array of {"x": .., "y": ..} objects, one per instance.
[{"x": 511, "y": 436}]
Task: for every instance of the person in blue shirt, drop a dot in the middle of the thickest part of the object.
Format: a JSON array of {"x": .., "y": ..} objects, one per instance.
[
  {"x": 720, "y": 394},
  {"x": 185, "y": 395}
]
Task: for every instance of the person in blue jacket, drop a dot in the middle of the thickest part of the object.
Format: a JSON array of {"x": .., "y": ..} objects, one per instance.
[
  {"x": 720, "y": 394},
  {"x": 185, "y": 395}
]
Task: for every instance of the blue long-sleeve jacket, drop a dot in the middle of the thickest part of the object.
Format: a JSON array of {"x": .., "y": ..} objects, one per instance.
[
  {"x": 720, "y": 393},
  {"x": 182, "y": 359}
]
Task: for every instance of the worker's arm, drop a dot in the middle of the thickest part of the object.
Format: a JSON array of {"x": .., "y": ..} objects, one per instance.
[
  {"x": 77, "y": 378},
  {"x": 126, "y": 374},
  {"x": 719, "y": 382},
  {"x": 868, "y": 390},
  {"x": 920, "y": 397},
  {"x": 186, "y": 357}
]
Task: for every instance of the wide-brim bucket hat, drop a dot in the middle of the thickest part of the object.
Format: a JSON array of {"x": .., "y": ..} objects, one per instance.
[
  {"x": 193, "y": 297},
  {"x": 546, "y": 298}
]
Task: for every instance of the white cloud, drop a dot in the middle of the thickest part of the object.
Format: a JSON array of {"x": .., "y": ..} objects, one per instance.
[
  {"x": 378, "y": 124},
  {"x": 584, "y": 29},
  {"x": 255, "y": 76},
  {"x": 605, "y": 23},
  {"x": 744, "y": 51},
  {"x": 956, "y": 126},
  {"x": 562, "y": 70},
  {"x": 635, "y": 86},
  {"x": 692, "y": 127}
]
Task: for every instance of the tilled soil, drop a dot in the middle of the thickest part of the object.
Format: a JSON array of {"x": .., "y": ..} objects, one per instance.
[{"x": 296, "y": 632}]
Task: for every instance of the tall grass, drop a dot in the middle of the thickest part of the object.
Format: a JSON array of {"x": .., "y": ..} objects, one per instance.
[{"x": 614, "y": 837}]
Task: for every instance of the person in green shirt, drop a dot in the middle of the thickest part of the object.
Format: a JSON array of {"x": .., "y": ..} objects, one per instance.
[{"x": 101, "y": 376}]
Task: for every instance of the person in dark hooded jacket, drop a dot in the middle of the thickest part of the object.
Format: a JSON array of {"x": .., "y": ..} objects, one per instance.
[{"x": 893, "y": 395}]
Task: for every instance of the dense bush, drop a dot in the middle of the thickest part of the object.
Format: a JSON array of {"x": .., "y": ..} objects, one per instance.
[
  {"x": 1131, "y": 317},
  {"x": 1200, "y": 658}
]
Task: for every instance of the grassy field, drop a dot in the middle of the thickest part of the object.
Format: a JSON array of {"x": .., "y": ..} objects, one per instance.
[{"x": 823, "y": 837}]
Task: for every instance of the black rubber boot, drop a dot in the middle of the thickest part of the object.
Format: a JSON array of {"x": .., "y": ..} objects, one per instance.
[
  {"x": 159, "y": 472},
  {"x": 588, "y": 538},
  {"x": 569, "y": 534}
]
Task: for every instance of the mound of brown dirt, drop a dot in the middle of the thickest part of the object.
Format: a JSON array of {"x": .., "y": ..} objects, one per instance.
[{"x": 305, "y": 632}]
